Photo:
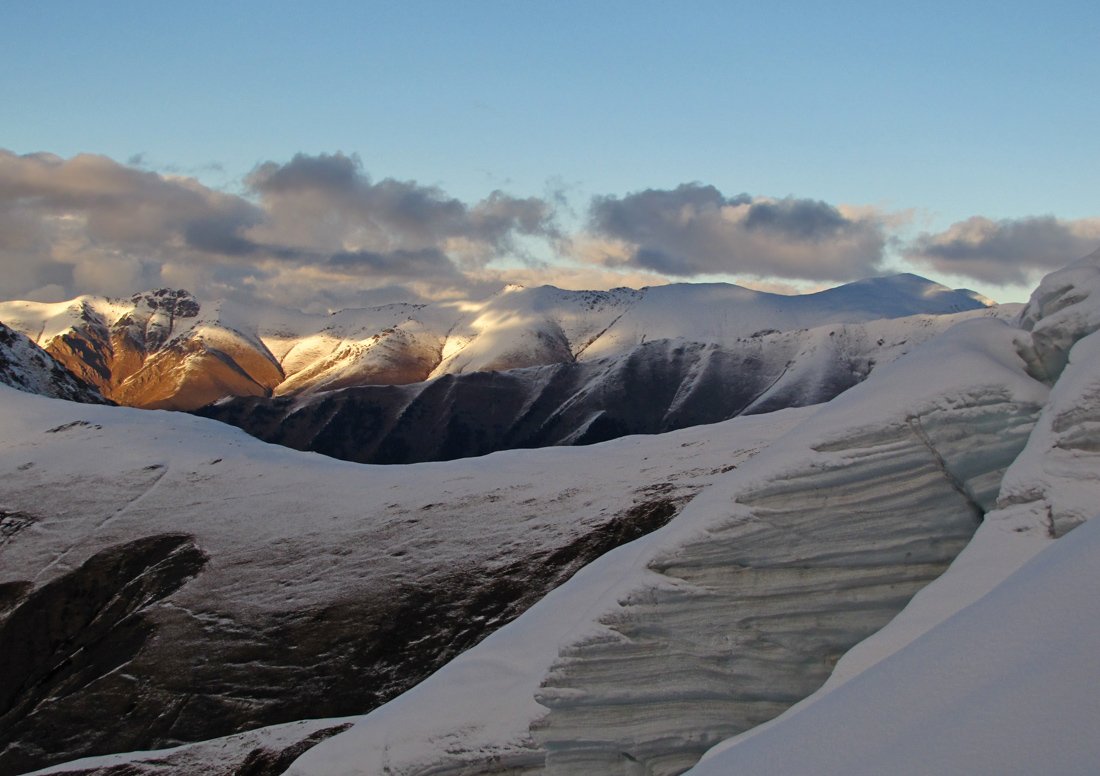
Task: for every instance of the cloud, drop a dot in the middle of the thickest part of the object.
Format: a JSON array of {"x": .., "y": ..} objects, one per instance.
[
  {"x": 399, "y": 263},
  {"x": 329, "y": 203},
  {"x": 695, "y": 229},
  {"x": 319, "y": 230},
  {"x": 91, "y": 225},
  {"x": 1009, "y": 251},
  {"x": 90, "y": 209}
]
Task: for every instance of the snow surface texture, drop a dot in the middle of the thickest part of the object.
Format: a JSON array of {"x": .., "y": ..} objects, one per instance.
[
  {"x": 264, "y": 752},
  {"x": 164, "y": 349},
  {"x": 1008, "y": 685},
  {"x": 741, "y": 605},
  {"x": 242, "y": 584},
  {"x": 25, "y": 366}
]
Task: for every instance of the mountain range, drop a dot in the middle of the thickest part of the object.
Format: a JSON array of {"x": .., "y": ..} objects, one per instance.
[
  {"x": 404, "y": 383},
  {"x": 903, "y": 567}
]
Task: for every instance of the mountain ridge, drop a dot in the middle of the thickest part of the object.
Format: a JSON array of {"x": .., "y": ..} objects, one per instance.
[{"x": 166, "y": 349}]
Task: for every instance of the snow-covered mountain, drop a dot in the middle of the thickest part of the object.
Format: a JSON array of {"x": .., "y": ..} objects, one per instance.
[
  {"x": 991, "y": 668},
  {"x": 654, "y": 652},
  {"x": 743, "y": 603},
  {"x": 652, "y": 387},
  {"x": 245, "y": 585},
  {"x": 165, "y": 349}
]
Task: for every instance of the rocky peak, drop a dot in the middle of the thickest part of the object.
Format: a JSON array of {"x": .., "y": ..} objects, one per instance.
[{"x": 177, "y": 303}]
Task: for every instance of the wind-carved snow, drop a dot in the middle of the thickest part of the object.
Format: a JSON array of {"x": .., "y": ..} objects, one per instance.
[
  {"x": 1006, "y": 686},
  {"x": 740, "y": 606}
]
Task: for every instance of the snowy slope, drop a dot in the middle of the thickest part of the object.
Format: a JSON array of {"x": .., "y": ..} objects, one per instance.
[
  {"x": 1008, "y": 685},
  {"x": 253, "y": 585},
  {"x": 718, "y": 312},
  {"x": 1050, "y": 489},
  {"x": 652, "y": 388},
  {"x": 643, "y": 660},
  {"x": 1000, "y": 687}
]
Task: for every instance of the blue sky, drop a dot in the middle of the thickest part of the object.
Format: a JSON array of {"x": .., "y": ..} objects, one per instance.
[{"x": 936, "y": 112}]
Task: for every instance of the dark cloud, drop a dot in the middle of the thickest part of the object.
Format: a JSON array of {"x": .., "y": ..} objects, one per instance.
[
  {"x": 695, "y": 229},
  {"x": 330, "y": 200},
  {"x": 120, "y": 207},
  {"x": 218, "y": 234},
  {"x": 1006, "y": 251},
  {"x": 399, "y": 263}
]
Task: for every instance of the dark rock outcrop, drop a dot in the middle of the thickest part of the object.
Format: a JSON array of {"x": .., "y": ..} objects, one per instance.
[{"x": 60, "y": 641}]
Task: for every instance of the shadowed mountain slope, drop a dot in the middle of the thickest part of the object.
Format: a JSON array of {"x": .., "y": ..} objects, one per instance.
[
  {"x": 26, "y": 367},
  {"x": 652, "y": 388}
]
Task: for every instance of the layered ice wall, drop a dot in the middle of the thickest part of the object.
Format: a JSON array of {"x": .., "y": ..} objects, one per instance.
[
  {"x": 990, "y": 669},
  {"x": 742, "y": 605}
]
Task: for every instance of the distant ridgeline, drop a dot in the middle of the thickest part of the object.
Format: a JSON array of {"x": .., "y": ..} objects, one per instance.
[{"x": 403, "y": 382}]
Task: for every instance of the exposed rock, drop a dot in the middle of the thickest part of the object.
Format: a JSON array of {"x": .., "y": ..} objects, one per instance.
[
  {"x": 61, "y": 640},
  {"x": 26, "y": 367},
  {"x": 154, "y": 351}
]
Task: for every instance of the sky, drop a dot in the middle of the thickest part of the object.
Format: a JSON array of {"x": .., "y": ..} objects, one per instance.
[{"x": 329, "y": 154}]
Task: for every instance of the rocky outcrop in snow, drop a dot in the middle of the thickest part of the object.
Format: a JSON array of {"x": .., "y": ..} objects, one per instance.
[
  {"x": 156, "y": 350},
  {"x": 267, "y": 751}
]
